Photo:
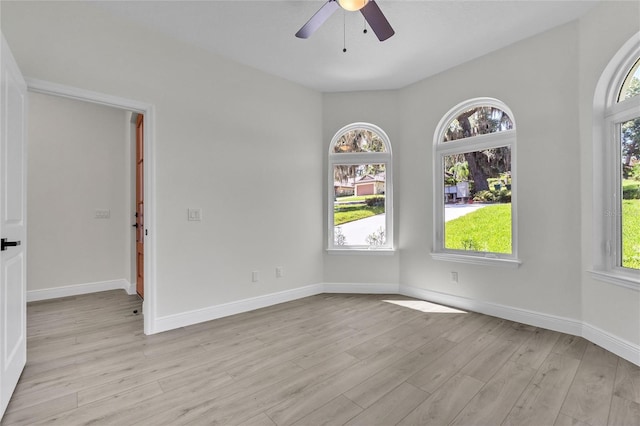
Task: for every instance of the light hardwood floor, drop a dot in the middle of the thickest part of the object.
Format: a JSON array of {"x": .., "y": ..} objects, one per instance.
[{"x": 328, "y": 359}]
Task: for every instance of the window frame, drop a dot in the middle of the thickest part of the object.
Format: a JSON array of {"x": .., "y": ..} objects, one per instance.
[
  {"x": 352, "y": 158},
  {"x": 609, "y": 114},
  {"x": 443, "y": 148}
]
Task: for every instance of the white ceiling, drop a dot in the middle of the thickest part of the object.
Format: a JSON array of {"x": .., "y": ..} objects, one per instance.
[{"x": 431, "y": 36}]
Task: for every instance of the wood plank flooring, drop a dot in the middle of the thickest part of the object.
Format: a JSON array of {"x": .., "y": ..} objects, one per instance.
[{"x": 324, "y": 360}]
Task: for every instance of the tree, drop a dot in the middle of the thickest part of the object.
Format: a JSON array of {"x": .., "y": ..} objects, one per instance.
[
  {"x": 630, "y": 136},
  {"x": 357, "y": 140},
  {"x": 488, "y": 163}
]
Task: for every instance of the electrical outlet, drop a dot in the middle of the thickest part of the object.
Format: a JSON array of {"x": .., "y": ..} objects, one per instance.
[
  {"x": 279, "y": 272},
  {"x": 454, "y": 277},
  {"x": 255, "y": 276}
]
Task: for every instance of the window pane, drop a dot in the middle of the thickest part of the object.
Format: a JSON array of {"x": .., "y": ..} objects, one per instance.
[
  {"x": 630, "y": 206},
  {"x": 359, "y": 205},
  {"x": 477, "y": 201},
  {"x": 478, "y": 121},
  {"x": 631, "y": 85},
  {"x": 359, "y": 140}
]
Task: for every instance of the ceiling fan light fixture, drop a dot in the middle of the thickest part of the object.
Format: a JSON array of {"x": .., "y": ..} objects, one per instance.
[{"x": 352, "y": 5}]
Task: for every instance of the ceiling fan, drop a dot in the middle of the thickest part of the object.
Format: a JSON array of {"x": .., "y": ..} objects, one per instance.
[{"x": 369, "y": 9}]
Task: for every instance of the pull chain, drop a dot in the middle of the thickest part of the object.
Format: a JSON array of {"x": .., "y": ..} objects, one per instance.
[{"x": 344, "y": 32}]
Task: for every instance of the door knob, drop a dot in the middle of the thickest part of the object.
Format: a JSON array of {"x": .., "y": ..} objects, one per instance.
[
  {"x": 5, "y": 244},
  {"x": 135, "y": 225}
]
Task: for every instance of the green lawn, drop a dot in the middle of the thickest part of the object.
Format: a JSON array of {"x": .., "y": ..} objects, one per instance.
[
  {"x": 631, "y": 234},
  {"x": 357, "y": 197},
  {"x": 487, "y": 229},
  {"x": 351, "y": 212}
]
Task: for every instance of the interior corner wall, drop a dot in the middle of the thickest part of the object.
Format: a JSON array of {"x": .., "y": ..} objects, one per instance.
[
  {"x": 76, "y": 165},
  {"x": 243, "y": 146},
  {"x": 536, "y": 78},
  {"x": 379, "y": 108},
  {"x": 240, "y": 145},
  {"x": 605, "y": 306}
]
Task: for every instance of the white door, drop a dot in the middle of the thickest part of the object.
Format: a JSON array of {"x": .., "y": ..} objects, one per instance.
[{"x": 13, "y": 226}]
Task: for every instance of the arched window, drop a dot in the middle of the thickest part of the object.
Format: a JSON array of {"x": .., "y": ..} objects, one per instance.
[
  {"x": 475, "y": 184},
  {"x": 617, "y": 169},
  {"x": 360, "y": 198}
]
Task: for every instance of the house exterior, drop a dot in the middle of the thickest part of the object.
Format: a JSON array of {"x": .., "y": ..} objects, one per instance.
[
  {"x": 343, "y": 189},
  {"x": 370, "y": 185}
]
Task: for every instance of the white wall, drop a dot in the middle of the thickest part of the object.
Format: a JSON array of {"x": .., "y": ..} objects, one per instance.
[
  {"x": 76, "y": 164},
  {"x": 536, "y": 78},
  {"x": 241, "y": 145},
  {"x": 548, "y": 81},
  {"x": 604, "y": 306},
  {"x": 381, "y": 109},
  {"x": 229, "y": 136}
]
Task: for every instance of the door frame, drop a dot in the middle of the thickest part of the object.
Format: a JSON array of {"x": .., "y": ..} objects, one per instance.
[{"x": 148, "y": 110}]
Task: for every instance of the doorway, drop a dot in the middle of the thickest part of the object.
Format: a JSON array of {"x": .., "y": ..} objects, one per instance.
[{"x": 147, "y": 183}]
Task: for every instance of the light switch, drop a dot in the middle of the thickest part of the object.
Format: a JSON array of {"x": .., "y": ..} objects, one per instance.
[
  {"x": 103, "y": 214},
  {"x": 194, "y": 214}
]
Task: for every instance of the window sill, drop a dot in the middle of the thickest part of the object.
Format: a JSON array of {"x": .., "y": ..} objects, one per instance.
[
  {"x": 477, "y": 260},
  {"x": 616, "y": 279},
  {"x": 363, "y": 251}
]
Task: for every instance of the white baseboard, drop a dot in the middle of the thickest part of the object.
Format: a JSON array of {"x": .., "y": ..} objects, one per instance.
[
  {"x": 76, "y": 289},
  {"x": 184, "y": 319},
  {"x": 620, "y": 347},
  {"x": 551, "y": 322},
  {"x": 360, "y": 288},
  {"x": 614, "y": 344}
]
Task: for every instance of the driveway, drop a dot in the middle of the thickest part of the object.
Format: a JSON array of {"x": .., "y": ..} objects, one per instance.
[
  {"x": 454, "y": 211},
  {"x": 356, "y": 232}
]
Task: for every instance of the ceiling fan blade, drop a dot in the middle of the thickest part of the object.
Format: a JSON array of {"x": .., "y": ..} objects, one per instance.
[
  {"x": 377, "y": 21},
  {"x": 318, "y": 19}
]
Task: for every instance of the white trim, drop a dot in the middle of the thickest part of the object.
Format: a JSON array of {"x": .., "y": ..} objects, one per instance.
[
  {"x": 149, "y": 306},
  {"x": 361, "y": 251},
  {"x": 361, "y": 288},
  {"x": 346, "y": 158},
  {"x": 551, "y": 322},
  {"x": 616, "y": 278},
  {"x": 506, "y": 138},
  {"x": 454, "y": 112},
  {"x": 608, "y": 113},
  {"x": 76, "y": 289},
  {"x": 480, "y": 259},
  {"x": 478, "y": 142},
  {"x": 70, "y": 92},
  {"x": 614, "y": 344},
  {"x": 183, "y": 319},
  {"x": 618, "y": 68}
]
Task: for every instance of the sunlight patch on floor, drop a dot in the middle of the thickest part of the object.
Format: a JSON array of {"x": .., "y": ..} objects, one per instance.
[{"x": 424, "y": 306}]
